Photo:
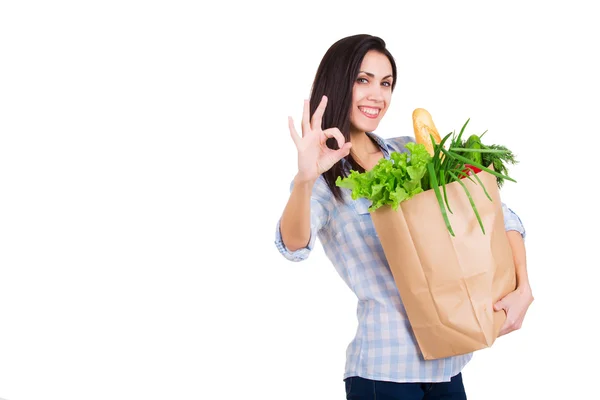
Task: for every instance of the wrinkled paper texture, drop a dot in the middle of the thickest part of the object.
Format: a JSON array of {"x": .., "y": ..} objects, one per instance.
[{"x": 449, "y": 284}]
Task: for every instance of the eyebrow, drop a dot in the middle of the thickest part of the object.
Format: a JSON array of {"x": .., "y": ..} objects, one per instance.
[{"x": 373, "y": 75}]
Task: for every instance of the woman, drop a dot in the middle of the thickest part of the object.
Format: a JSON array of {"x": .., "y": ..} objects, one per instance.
[{"x": 351, "y": 93}]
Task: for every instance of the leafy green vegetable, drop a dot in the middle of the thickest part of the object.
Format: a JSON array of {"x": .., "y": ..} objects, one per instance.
[
  {"x": 499, "y": 160},
  {"x": 406, "y": 174},
  {"x": 496, "y": 155},
  {"x": 436, "y": 189},
  {"x": 391, "y": 181},
  {"x": 453, "y": 167}
]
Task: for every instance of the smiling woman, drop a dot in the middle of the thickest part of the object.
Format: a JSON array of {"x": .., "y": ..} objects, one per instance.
[
  {"x": 371, "y": 97},
  {"x": 353, "y": 85},
  {"x": 351, "y": 93}
]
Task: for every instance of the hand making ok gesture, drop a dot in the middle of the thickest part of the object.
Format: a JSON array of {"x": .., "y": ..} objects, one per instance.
[{"x": 314, "y": 157}]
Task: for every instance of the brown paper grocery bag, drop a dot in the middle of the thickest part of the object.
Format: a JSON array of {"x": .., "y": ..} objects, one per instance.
[{"x": 449, "y": 284}]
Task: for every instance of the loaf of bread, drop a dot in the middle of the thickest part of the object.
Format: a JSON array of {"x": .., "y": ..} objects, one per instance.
[{"x": 425, "y": 128}]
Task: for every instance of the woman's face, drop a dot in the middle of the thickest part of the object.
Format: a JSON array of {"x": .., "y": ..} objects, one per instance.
[{"x": 372, "y": 92}]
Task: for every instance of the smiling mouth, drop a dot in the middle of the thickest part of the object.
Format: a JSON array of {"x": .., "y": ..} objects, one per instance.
[{"x": 369, "y": 112}]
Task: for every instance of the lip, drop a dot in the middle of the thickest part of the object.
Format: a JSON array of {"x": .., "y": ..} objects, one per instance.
[{"x": 369, "y": 115}]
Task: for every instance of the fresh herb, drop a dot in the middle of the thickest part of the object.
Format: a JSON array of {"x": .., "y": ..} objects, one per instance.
[
  {"x": 406, "y": 174},
  {"x": 453, "y": 167},
  {"x": 499, "y": 160},
  {"x": 494, "y": 155}
]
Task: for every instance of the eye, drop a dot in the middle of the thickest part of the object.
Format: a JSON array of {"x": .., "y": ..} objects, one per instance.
[
  {"x": 362, "y": 80},
  {"x": 387, "y": 84}
]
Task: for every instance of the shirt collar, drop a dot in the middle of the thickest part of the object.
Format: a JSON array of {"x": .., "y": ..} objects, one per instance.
[{"x": 382, "y": 144}]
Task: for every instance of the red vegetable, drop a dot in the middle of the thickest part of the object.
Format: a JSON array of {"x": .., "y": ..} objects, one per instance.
[{"x": 470, "y": 168}]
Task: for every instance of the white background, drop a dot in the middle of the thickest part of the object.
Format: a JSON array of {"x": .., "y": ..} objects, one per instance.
[{"x": 145, "y": 160}]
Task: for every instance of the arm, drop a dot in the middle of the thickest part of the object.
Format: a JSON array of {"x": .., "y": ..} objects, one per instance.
[
  {"x": 305, "y": 213},
  {"x": 517, "y": 245},
  {"x": 306, "y": 210},
  {"x": 516, "y": 303},
  {"x": 295, "y": 221}
]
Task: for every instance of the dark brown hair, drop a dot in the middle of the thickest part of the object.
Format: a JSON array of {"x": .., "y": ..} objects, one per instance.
[{"x": 335, "y": 79}]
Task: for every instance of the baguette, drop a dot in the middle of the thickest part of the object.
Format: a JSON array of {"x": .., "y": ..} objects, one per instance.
[{"x": 424, "y": 127}]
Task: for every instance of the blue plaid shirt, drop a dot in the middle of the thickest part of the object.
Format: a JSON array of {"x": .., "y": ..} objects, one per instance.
[{"x": 384, "y": 347}]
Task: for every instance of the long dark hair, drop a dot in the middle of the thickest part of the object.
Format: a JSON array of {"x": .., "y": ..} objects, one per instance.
[{"x": 335, "y": 78}]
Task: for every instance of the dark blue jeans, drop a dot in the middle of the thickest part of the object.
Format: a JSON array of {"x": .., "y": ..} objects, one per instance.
[{"x": 358, "y": 388}]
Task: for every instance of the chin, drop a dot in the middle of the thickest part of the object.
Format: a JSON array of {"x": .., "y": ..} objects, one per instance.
[
  {"x": 366, "y": 125},
  {"x": 369, "y": 127}
]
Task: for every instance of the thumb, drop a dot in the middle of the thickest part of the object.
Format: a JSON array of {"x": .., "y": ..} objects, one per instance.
[
  {"x": 499, "y": 305},
  {"x": 343, "y": 151}
]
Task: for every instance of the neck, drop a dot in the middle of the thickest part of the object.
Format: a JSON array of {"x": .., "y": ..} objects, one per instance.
[
  {"x": 362, "y": 143},
  {"x": 364, "y": 150}
]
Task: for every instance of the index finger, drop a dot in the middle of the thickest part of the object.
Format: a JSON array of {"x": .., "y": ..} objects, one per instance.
[
  {"x": 306, "y": 117},
  {"x": 317, "y": 118}
]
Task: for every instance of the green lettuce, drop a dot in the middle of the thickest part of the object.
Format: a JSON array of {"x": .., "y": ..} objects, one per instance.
[{"x": 391, "y": 181}]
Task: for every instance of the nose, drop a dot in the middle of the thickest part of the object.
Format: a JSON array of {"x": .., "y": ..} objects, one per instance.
[{"x": 375, "y": 93}]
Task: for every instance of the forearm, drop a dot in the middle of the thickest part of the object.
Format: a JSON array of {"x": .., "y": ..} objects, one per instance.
[
  {"x": 295, "y": 221},
  {"x": 517, "y": 245}
]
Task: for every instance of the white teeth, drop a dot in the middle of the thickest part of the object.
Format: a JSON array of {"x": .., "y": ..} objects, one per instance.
[{"x": 370, "y": 111}]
